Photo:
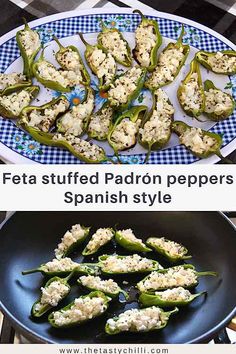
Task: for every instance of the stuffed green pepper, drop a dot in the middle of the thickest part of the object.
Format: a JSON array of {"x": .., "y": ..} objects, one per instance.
[
  {"x": 99, "y": 239},
  {"x": 127, "y": 239},
  {"x": 221, "y": 62}
]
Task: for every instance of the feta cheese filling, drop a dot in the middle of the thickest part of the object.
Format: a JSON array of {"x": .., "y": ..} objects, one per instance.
[
  {"x": 99, "y": 238},
  {"x": 96, "y": 283},
  {"x": 217, "y": 102},
  {"x": 71, "y": 236},
  {"x": 133, "y": 263},
  {"x": 175, "y": 294},
  {"x": 82, "y": 310},
  {"x": 137, "y": 320},
  {"x": 62, "y": 265},
  {"x": 73, "y": 122},
  {"x": 124, "y": 86},
  {"x": 104, "y": 65},
  {"x": 221, "y": 63},
  {"x": 16, "y": 101},
  {"x": 100, "y": 123},
  {"x": 196, "y": 141},
  {"x": 44, "y": 118},
  {"x": 70, "y": 60},
  {"x": 190, "y": 94},
  {"x": 158, "y": 127},
  {"x": 129, "y": 235},
  {"x": 114, "y": 44},
  {"x": 12, "y": 79},
  {"x": 52, "y": 294},
  {"x": 146, "y": 39},
  {"x": 167, "y": 67},
  {"x": 172, "y": 248},
  {"x": 30, "y": 41},
  {"x": 174, "y": 277},
  {"x": 125, "y": 133}
]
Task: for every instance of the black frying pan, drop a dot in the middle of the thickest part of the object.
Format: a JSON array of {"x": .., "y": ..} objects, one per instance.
[{"x": 29, "y": 238}]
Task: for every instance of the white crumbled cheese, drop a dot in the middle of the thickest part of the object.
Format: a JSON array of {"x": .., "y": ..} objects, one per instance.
[
  {"x": 16, "y": 101},
  {"x": 190, "y": 95},
  {"x": 44, "y": 118},
  {"x": 104, "y": 64},
  {"x": 134, "y": 263},
  {"x": 70, "y": 60},
  {"x": 167, "y": 67},
  {"x": 71, "y": 236},
  {"x": 96, "y": 283},
  {"x": 52, "y": 294},
  {"x": 138, "y": 320},
  {"x": 30, "y": 41},
  {"x": 124, "y": 86},
  {"x": 62, "y": 265},
  {"x": 158, "y": 127},
  {"x": 73, "y": 121},
  {"x": 174, "y": 277},
  {"x": 195, "y": 140},
  {"x": 82, "y": 310},
  {"x": 146, "y": 38},
  {"x": 7, "y": 80},
  {"x": 125, "y": 133},
  {"x": 99, "y": 238},
  {"x": 217, "y": 102},
  {"x": 114, "y": 44},
  {"x": 175, "y": 294},
  {"x": 172, "y": 248},
  {"x": 221, "y": 63},
  {"x": 129, "y": 235},
  {"x": 100, "y": 123}
]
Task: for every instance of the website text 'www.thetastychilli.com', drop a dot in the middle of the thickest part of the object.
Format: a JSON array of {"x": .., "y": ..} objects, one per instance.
[{"x": 115, "y": 350}]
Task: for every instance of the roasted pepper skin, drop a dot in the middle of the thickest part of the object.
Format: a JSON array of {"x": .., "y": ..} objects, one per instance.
[
  {"x": 149, "y": 299},
  {"x": 131, "y": 246},
  {"x": 168, "y": 314},
  {"x": 202, "y": 56},
  {"x": 169, "y": 258},
  {"x": 39, "y": 313},
  {"x": 14, "y": 88},
  {"x": 156, "y": 266},
  {"x": 86, "y": 78},
  {"x": 86, "y": 252},
  {"x": 194, "y": 68},
  {"x": 89, "y": 49},
  {"x": 94, "y": 135},
  {"x": 178, "y": 44},
  {"x": 5, "y": 113},
  {"x": 73, "y": 324},
  {"x": 180, "y": 127},
  {"x": 111, "y": 295},
  {"x": 128, "y": 61},
  {"x": 213, "y": 116},
  {"x": 28, "y": 60},
  {"x": 133, "y": 114},
  {"x": 153, "y": 55}
]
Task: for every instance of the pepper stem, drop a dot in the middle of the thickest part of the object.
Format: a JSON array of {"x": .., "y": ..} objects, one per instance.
[
  {"x": 187, "y": 257},
  {"x": 175, "y": 310},
  {"x": 214, "y": 274},
  {"x": 30, "y": 271},
  {"x": 224, "y": 159},
  {"x": 83, "y": 39},
  {"x": 70, "y": 275},
  {"x": 148, "y": 154},
  {"x": 41, "y": 58},
  {"x": 140, "y": 13},
  {"x": 58, "y": 42},
  {"x": 25, "y": 23},
  {"x": 200, "y": 294},
  {"x": 103, "y": 26},
  {"x": 182, "y": 33}
]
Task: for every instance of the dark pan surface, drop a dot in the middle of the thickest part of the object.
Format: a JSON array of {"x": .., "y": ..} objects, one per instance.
[{"x": 29, "y": 238}]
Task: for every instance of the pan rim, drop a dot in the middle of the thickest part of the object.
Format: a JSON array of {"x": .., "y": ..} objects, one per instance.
[{"x": 32, "y": 335}]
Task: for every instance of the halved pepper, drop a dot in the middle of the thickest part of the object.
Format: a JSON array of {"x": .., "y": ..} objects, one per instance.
[
  {"x": 221, "y": 62},
  {"x": 123, "y": 134},
  {"x": 29, "y": 44},
  {"x": 80, "y": 315},
  {"x": 12, "y": 82},
  {"x": 172, "y": 251},
  {"x": 219, "y": 105},
  {"x": 12, "y": 105},
  {"x": 57, "y": 287},
  {"x": 122, "y": 264},
  {"x": 184, "y": 276},
  {"x": 108, "y": 286},
  {"x": 99, "y": 239},
  {"x": 149, "y": 42},
  {"x": 157, "y": 299},
  {"x": 127, "y": 240},
  {"x": 155, "y": 131},
  {"x": 112, "y": 40},
  {"x": 69, "y": 58},
  {"x": 101, "y": 63},
  {"x": 126, "y": 88},
  {"x": 191, "y": 92},
  {"x": 174, "y": 54},
  {"x": 129, "y": 321},
  {"x": 71, "y": 240},
  {"x": 100, "y": 122}
]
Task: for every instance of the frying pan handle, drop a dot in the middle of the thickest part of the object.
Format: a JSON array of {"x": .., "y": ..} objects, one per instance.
[
  {"x": 222, "y": 337},
  {"x": 7, "y": 332}
]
